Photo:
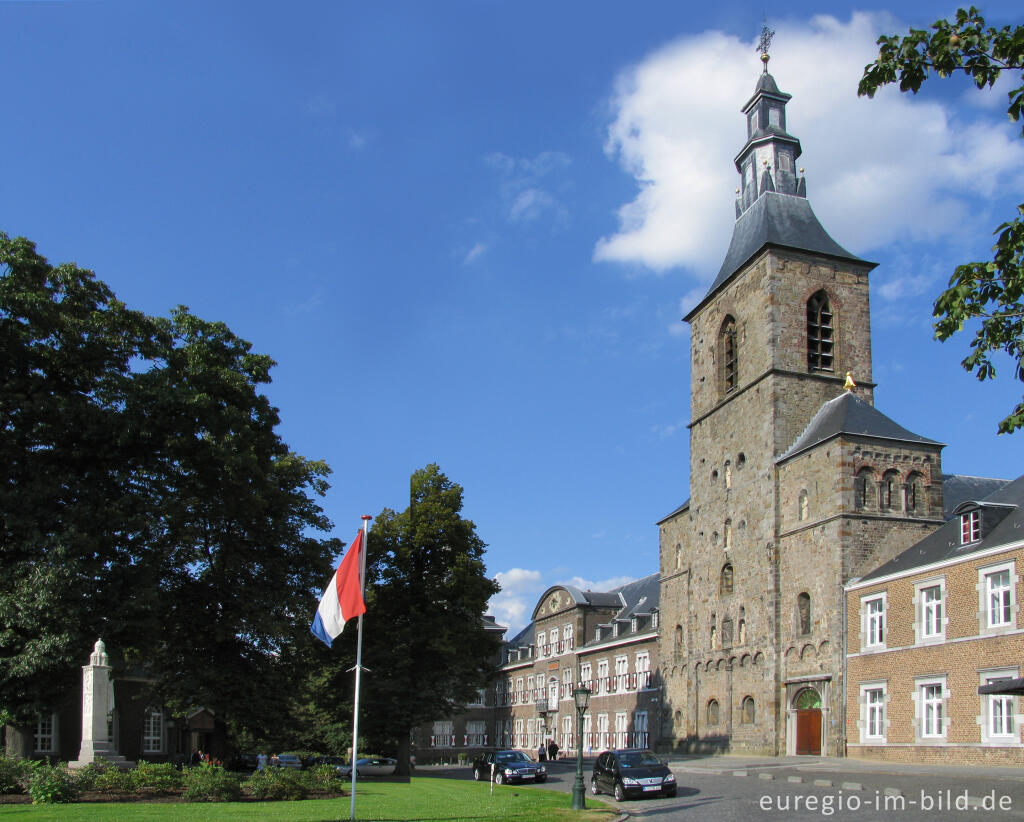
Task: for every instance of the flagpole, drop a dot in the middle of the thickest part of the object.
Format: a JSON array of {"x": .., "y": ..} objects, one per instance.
[{"x": 359, "y": 663}]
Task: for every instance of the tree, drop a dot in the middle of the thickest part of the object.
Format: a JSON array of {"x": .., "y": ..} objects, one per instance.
[
  {"x": 425, "y": 644},
  {"x": 991, "y": 291},
  {"x": 145, "y": 498}
]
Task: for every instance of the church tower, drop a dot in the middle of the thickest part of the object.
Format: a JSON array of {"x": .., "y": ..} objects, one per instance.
[{"x": 753, "y": 563}]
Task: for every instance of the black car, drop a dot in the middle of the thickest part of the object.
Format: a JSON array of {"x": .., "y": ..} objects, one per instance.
[
  {"x": 631, "y": 773},
  {"x": 509, "y": 766}
]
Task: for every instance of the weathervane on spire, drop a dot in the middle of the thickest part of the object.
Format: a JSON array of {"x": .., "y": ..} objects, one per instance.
[{"x": 765, "y": 43}]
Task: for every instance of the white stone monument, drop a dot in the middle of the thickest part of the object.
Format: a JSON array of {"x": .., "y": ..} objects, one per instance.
[{"x": 97, "y": 710}]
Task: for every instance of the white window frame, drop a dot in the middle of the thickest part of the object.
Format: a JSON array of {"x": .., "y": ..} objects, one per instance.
[
  {"x": 999, "y": 720},
  {"x": 567, "y": 638},
  {"x": 621, "y": 673},
  {"x": 621, "y": 729},
  {"x": 602, "y": 676},
  {"x": 643, "y": 670},
  {"x": 1008, "y": 595},
  {"x": 874, "y": 719},
  {"x": 931, "y": 698},
  {"x": 930, "y": 614},
  {"x": 873, "y": 626},
  {"x": 970, "y": 527},
  {"x": 602, "y": 731},
  {"x": 44, "y": 740},
  {"x": 153, "y": 731},
  {"x": 587, "y": 675}
]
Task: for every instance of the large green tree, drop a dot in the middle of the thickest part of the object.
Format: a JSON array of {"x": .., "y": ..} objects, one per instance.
[
  {"x": 425, "y": 644},
  {"x": 989, "y": 294},
  {"x": 147, "y": 498}
]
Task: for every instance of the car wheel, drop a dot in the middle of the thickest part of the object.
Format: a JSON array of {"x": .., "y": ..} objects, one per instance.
[
  {"x": 499, "y": 778},
  {"x": 670, "y": 794},
  {"x": 542, "y": 779},
  {"x": 620, "y": 792},
  {"x": 593, "y": 787}
]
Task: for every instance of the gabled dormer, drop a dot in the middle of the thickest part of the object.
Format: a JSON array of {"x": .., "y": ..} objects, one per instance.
[{"x": 978, "y": 519}]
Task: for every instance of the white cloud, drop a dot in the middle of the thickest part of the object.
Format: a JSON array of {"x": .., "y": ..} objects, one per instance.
[
  {"x": 474, "y": 253},
  {"x": 601, "y": 585},
  {"x": 529, "y": 186},
  {"x": 878, "y": 171}
]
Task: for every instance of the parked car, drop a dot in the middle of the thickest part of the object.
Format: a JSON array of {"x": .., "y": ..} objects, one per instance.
[
  {"x": 627, "y": 773},
  {"x": 289, "y": 761},
  {"x": 509, "y": 766},
  {"x": 370, "y": 766}
]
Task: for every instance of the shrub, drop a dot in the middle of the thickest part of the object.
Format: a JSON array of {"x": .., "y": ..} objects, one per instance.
[
  {"x": 323, "y": 778},
  {"x": 85, "y": 778},
  {"x": 13, "y": 771},
  {"x": 209, "y": 783},
  {"x": 49, "y": 784},
  {"x": 110, "y": 780},
  {"x": 275, "y": 783},
  {"x": 157, "y": 777}
]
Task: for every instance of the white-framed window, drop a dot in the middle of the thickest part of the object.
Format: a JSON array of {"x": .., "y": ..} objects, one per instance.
[
  {"x": 872, "y": 609},
  {"x": 588, "y": 739},
  {"x": 443, "y": 736},
  {"x": 567, "y": 638},
  {"x": 518, "y": 741},
  {"x": 621, "y": 673},
  {"x": 153, "y": 731},
  {"x": 930, "y": 609},
  {"x": 602, "y": 676},
  {"x": 643, "y": 670},
  {"x": 873, "y": 724},
  {"x": 45, "y": 737},
  {"x": 542, "y": 650},
  {"x": 586, "y": 675},
  {"x": 566, "y": 683},
  {"x": 602, "y": 731},
  {"x": 621, "y": 729},
  {"x": 931, "y": 696},
  {"x": 567, "y": 740},
  {"x": 531, "y": 691},
  {"x": 640, "y": 737},
  {"x": 998, "y": 601},
  {"x": 970, "y": 527},
  {"x": 998, "y": 718}
]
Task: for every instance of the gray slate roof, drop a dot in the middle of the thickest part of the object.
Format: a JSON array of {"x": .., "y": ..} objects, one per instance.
[
  {"x": 678, "y": 510},
  {"x": 1002, "y": 523},
  {"x": 958, "y": 488},
  {"x": 849, "y": 414},
  {"x": 776, "y": 219}
]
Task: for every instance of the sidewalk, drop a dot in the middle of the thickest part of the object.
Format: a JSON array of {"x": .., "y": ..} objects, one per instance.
[{"x": 728, "y": 763}]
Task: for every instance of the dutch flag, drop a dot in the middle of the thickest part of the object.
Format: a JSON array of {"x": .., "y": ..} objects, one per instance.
[{"x": 342, "y": 599}]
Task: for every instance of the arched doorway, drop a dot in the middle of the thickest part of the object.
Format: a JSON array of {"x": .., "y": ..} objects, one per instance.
[{"x": 808, "y": 722}]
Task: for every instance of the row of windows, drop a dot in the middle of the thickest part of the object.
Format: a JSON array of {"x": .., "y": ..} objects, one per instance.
[
  {"x": 930, "y": 706},
  {"x": 997, "y": 609},
  {"x": 820, "y": 343},
  {"x": 890, "y": 494},
  {"x": 47, "y": 735},
  {"x": 548, "y": 643}
]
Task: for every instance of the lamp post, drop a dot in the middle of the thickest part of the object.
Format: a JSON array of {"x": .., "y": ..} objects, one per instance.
[{"x": 581, "y": 696}]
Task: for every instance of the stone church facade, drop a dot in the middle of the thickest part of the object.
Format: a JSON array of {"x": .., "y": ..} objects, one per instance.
[{"x": 798, "y": 484}]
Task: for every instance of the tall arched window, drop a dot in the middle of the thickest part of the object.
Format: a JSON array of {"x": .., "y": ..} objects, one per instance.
[
  {"x": 803, "y": 609},
  {"x": 914, "y": 493},
  {"x": 747, "y": 712},
  {"x": 890, "y": 495},
  {"x": 727, "y": 534},
  {"x": 861, "y": 488},
  {"x": 729, "y": 355},
  {"x": 679, "y": 642},
  {"x": 802, "y": 511},
  {"x": 820, "y": 333},
  {"x": 713, "y": 712}
]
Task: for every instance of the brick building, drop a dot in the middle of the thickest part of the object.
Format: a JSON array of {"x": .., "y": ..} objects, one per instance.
[
  {"x": 607, "y": 641},
  {"x": 931, "y": 626}
]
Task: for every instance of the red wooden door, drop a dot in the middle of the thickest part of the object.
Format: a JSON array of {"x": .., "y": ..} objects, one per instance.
[{"x": 808, "y": 732}]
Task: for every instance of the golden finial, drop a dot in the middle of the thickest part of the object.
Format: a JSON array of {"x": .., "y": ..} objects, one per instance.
[{"x": 849, "y": 385}]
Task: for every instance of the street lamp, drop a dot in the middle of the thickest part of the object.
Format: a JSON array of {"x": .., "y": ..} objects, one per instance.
[{"x": 581, "y": 696}]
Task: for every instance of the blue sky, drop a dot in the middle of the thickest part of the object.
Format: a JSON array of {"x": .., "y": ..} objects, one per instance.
[{"x": 467, "y": 231}]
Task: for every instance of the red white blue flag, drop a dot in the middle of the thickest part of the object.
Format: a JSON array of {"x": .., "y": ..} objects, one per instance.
[{"x": 343, "y": 598}]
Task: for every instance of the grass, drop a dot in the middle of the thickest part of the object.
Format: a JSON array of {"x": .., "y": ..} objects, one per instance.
[{"x": 422, "y": 799}]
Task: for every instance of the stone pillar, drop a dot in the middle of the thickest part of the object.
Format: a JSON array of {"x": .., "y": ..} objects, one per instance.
[{"x": 97, "y": 707}]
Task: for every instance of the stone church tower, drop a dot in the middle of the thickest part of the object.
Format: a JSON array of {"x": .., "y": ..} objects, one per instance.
[{"x": 797, "y": 484}]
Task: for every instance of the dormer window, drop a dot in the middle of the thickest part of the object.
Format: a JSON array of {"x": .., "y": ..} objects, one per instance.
[
  {"x": 970, "y": 527},
  {"x": 633, "y": 624}
]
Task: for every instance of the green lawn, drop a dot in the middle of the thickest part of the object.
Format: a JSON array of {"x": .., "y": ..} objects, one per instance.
[{"x": 422, "y": 799}]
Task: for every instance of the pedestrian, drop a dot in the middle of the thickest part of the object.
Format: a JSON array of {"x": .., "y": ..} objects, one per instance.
[
  {"x": 261, "y": 761},
  {"x": 542, "y": 753},
  {"x": 553, "y": 750}
]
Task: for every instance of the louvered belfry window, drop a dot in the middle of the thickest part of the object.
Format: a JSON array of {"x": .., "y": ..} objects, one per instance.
[
  {"x": 820, "y": 333},
  {"x": 730, "y": 365}
]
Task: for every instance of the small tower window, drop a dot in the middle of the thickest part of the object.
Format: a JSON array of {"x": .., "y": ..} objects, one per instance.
[
  {"x": 890, "y": 497},
  {"x": 803, "y": 506},
  {"x": 803, "y": 607},
  {"x": 861, "y": 483},
  {"x": 713, "y": 712},
  {"x": 726, "y": 585},
  {"x": 747, "y": 712},
  {"x": 914, "y": 496},
  {"x": 820, "y": 333},
  {"x": 727, "y": 534},
  {"x": 730, "y": 359}
]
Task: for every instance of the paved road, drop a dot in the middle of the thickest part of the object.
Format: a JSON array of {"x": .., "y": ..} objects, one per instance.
[{"x": 736, "y": 789}]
